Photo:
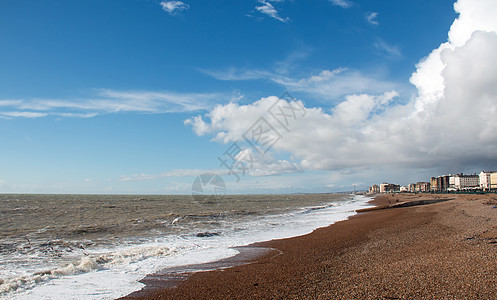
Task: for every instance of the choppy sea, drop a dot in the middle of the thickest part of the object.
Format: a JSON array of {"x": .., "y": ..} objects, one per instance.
[{"x": 100, "y": 246}]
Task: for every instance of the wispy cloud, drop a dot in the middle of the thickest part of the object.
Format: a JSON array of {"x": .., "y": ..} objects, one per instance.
[
  {"x": 323, "y": 84},
  {"x": 389, "y": 50},
  {"x": 107, "y": 101},
  {"x": 23, "y": 114},
  {"x": 268, "y": 9},
  {"x": 372, "y": 18},
  {"x": 10, "y": 102},
  {"x": 269, "y": 166},
  {"x": 342, "y": 3},
  {"x": 289, "y": 63},
  {"x": 174, "y": 7},
  {"x": 173, "y": 173},
  {"x": 235, "y": 74}
]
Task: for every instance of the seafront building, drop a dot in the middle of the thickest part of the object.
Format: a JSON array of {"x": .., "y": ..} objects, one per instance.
[
  {"x": 444, "y": 182},
  {"x": 493, "y": 180},
  {"x": 434, "y": 184},
  {"x": 422, "y": 187},
  {"x": 374, "y": 189},
  {"x": 440, "y": 183},
  {"x": 419, "y": 187},
  {"x": 464, "y": 182},
  {"x": 452, "y": 182},
  {"x": 389, "y": 188},
  {"x": 485, "y": 181}
]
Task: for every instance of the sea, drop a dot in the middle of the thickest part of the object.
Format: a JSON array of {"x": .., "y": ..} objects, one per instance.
[{"x": 100, "y": 246}]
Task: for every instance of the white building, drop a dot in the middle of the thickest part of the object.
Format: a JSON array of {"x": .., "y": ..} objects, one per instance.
[
  {"x": 485, "y": 182},
  {"x": 452, "y": 181},
  {"x": 462, "y": 182},
  {"x": 493, "y": 180}
]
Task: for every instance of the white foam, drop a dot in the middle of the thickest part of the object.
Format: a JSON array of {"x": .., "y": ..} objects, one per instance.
[{"x": 113, "y": 273}]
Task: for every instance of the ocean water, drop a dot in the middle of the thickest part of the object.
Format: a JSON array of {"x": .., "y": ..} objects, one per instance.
[{"x": 99, "y": 246}]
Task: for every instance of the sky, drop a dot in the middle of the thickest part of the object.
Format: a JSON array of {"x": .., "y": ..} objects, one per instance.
[{"x": 273, "y": 96}]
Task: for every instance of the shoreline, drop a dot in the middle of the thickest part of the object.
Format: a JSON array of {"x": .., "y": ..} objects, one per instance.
[
  {"x": 406, "y": 252},
  {"x": 173, "y": 277},
  {"x": 169, "y": 278}
]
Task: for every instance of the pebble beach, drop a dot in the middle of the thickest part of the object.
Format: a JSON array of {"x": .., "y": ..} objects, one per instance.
[{"x": 441, "y": 250}]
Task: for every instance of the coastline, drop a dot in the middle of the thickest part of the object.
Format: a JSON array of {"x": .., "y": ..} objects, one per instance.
[{"x": 445, "y": 249}]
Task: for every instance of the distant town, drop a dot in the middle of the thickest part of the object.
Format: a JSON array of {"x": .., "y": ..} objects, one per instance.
[{"x": 483, "y": 182}]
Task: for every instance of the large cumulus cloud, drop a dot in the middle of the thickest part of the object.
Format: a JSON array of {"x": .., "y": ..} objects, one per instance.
[{"x": 452, "y": 121}]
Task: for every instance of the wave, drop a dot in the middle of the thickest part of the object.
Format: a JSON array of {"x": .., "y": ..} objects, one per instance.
[{"x": 86, "y": 264}]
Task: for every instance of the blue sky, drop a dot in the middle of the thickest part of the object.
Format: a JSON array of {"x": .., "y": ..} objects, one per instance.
[{"x": 94, "y": 95}]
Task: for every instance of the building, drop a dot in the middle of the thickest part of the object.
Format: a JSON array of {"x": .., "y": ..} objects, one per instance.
[
  {"x": 389, "y": 188},
  {"x": 434, "y": 184},
  {"x": 464, "y": 182},
  {"x": 452, "y": 182},
  {"x": 422, "y": 187},
  {"x": 493, "y": 180},
  {"x": 441, "y": 183},
  {"x": 404, "y": 189},
  {"x": 485, "y": 180},
  {"x": 374, "y": 189},
  {"x": 419, "y": 187}
]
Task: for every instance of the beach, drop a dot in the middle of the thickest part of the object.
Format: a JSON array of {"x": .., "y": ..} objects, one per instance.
[
  {"x": 440, "y": 250},
  {"x": 101, "y": 246}
]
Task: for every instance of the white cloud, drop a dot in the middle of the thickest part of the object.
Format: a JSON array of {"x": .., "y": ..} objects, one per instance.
[
  {"x": 450, "y": 123},
  {"x": 342, "y": 3},
  {"x": 326, "y": 84},
  {"x": 274, "y": 167},
  {"x": 358, "y": 108},
  {"x": 334, "y": 84},
  {"x": 372, "y": 18},
  {"x": 319, "y": 141},
  {"x": 225, "y": 122},
  {"x": 174, "y": 173},
  {"x": 23, "y": 114},
  {"x": 76, "y": 115},
  {"x": 268, "y": 9},
  {"x": 174, "y": 7},
  {"x": 473, "y": 16},
  {"x": 10, "y": 102},
  {"x": 234, "y": 74},
  {"x": 390, "y": 50},
  {"x": 112, "y": 101},
  {"x": 260, "y": 166},
  {"x": 288, "y": 63}
]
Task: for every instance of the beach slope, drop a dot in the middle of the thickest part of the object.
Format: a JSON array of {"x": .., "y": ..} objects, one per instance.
[{"x": 441, "y": 250}]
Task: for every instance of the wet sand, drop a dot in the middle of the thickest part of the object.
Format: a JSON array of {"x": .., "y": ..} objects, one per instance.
[{"x": 441, "y": 250}]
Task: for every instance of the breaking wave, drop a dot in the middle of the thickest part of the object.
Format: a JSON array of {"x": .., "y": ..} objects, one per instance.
[{"x": 84, "y": 265}]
